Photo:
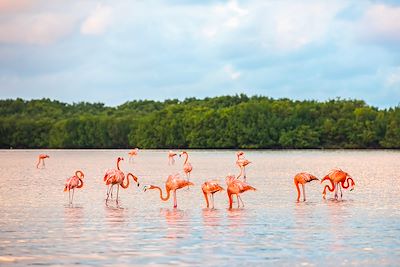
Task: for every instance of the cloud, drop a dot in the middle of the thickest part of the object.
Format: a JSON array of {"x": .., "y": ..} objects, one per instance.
[
  {"x": 98, "y": 21},
  {"x": 233, "y": 74},
  {"x": 381, "y": 23},
  {"x": 13, "y": 5},
  {"x": 393, "y": 77},
  {"x": 39, "y": 29}
]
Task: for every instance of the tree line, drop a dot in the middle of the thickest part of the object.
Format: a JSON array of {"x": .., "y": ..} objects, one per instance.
[{"x": 219, "y": 122}]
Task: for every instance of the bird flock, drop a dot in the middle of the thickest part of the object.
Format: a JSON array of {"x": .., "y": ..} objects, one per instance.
[{"x": 235, "y": 185}]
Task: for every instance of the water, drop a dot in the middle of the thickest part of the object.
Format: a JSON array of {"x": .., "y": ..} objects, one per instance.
[{"x": 38, "y": 227}]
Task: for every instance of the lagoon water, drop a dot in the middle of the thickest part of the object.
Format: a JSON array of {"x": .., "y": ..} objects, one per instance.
[{"x": 38, "y": 227}]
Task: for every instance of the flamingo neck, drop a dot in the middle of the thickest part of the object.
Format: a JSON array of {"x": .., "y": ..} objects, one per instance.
[
  {"x": 118, "y": 160},
  {"x": 161, "y": 193},
  {"x": 79, "y": 174},
  {"x": 346, "y": 184},
  {"x": 125, "y": 186},
  {"x": 81, "y": 183},
  {"x": 240, "y": 174},
  {"x": 186, "y": 159}
]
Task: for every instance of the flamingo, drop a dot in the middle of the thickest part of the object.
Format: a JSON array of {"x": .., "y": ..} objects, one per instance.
[
  {"x": 41, "y": 159},
  {"x": 236, "y": 187},
  {"x": 171, "y": 155},
  {"x": 72, "y": 183},
  {"x": 117, "y": 177},
  {"x": 241, "y": 162},
  {"x": 133, "y": 153},
  {"x": 338, "y": 178},
  {"x": 303, "y": 178},
  {"x": 187, "y": 167},
  {"x": 210, "y": 187},
  {"x": 173, "y": 183}
]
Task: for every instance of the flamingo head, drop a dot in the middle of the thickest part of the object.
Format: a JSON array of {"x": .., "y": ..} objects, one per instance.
[
  {"x": 182, "y": 153},
  {"x": 146, "y": 187},
  {"x": 119, "y": 159},
  {"x": 239, "y": 153},
  {"x": 47, "y": 156}
]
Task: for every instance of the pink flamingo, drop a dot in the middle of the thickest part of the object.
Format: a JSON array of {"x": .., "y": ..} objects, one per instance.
[
  {"x": 337, "y": 177},
  {"x": 41, "y": 159},
  {"x": 210, "y": 187},
  {"x": 236, "y": 187},
  {"x": 133, "y": 153},
  {"x": 241, "y": 162},
  {"x": 72, "y": 183},
  {"x": 303, "y": 178},
  {"x": 173, "y": 183},
  {"x": 171, "y": 155},
  {"x": 187, "y": 167},
  {"x": 117, "y": 177}
]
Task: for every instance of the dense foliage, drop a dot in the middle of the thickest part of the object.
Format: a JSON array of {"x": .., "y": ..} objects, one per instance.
[{"x": 220, "y": 122}]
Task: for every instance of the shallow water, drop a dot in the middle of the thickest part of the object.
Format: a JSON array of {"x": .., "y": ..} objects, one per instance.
[{"x": 38, "y": 227}]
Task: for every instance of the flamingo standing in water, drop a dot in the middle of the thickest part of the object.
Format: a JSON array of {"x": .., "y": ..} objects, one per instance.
[
  {"x": 41, "y": 159},
  {"x": 338, "y": 178},
  {"x": 117, "y": 177},
  {"x": 303, "y": 178},
  {"x": 210, "y": 187},
  {"x": 187, "y": 167},
  {"x": 72, "y": 183},
  {"x": 133, "y": 153},
  {"x": 241, "y": 162},
  {"x": 173, "y": 183},
  {"x": 171, "y": 155},
  {"x": 236, "y": 187}
]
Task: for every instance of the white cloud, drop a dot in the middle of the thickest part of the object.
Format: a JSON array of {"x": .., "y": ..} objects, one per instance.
[
  {"x": 45, "y": 28},
  {"x": 289, "y": 26},
  {"x": 393, "y": 77},
  {"x": 233, "y": 74},
  {"x": 98, "y": 21},
  {"x": 381, "y": 23}
]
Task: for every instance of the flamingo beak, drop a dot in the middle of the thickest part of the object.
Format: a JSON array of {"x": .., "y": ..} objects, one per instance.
[{"x": 144, "y": 188}]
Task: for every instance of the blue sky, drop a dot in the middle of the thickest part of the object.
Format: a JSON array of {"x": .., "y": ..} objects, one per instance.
[{"x": 116, "y": 51}]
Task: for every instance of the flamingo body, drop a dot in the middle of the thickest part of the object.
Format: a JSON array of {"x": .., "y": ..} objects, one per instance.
[
  {"x": 337, "y": 178},
  {"x": 210, "y": 187},
  {"x": 41, "y": 158},
  {"x": 173, "y": 183},
  {"x": 72, "y": 183},
  {"x": 236, "y": 187},
  {"x": 303, "y": 178}
]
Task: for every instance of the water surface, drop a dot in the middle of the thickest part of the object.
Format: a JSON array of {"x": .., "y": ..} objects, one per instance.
[{"x": 38, "y": 227}]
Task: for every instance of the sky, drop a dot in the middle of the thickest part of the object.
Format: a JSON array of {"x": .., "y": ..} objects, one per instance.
[{"x": 118, "y": 51}]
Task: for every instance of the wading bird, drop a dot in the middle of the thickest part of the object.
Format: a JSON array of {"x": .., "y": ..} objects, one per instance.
[
  {"x": 173, "y": 183},
  {"x": 210, "y": 188},
  {"x": 236, "y": 187},
  {"x": 72, "y": 183},
  {"x": 171, "y": 159},
  {"x": 117, "y": 177},
  {"x": 303, "y": 178},
  {"x": 41, "y": 160},
  {"x": 187, "y": 167},
  {"x": 133, "y": 153},
  {"x": 338, "y": 178},
  {"x": 241, "y": 162}
]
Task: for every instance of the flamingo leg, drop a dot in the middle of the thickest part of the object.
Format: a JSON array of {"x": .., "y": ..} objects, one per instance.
[
  {"x": 73, "y": 191},
  {"x": 241, "y": 200},
  {"x": 212, "y": 196},
  {"x": 175, "y": 202},
  {"x": 117, "y": 193},
  {"x": 336, "y": 191},
  {"x": 69, "y": 196},
  {"x": 304, "y": 192},
  {"x": 341, "y": 193},
  {"x": 237, "y": 197}
]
